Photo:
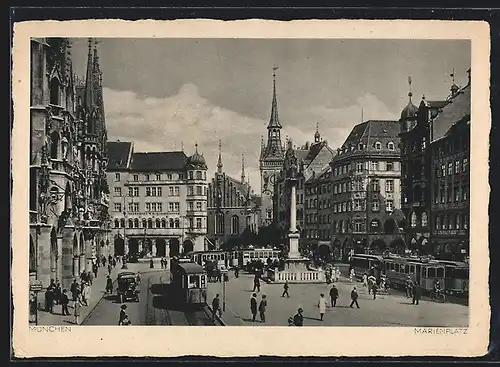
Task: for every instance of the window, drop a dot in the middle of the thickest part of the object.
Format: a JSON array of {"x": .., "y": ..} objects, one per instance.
[
  {"x": 158, "y": 177},
  {"x": 389, "y": 186},
  {"x": 171, "y": 207},
  {"x": 450, "y": 168},
  {"x": 449, "y": 194},
  {"x": 457, "y": 166},
  {"x": 153, "y": 191},
  {"x": 136, "y": 177},
  {"x": 443, "y": 170},
  {"x": 389, "y": 166},
  {"x": 148, "y": 191},
  {"x": 465, "y": 221},
  {"x": 158, "y": 191},
  {"x": 176, "y": 190},
  {"x": 146, "y": 177},
  {"x": 374, "y": 165},
  {"x": 464, "y": 193},
  {"x": 148, "y": 207},
  {"x": 457, "y": 221},
  {"x": 390, "y": 145},
  {"x": 423, "y": 143},
  {"x": 359, "y": 167},
  {"x": 117, "y": 177},
  {"x": 464, "y": 165},
  {"x": 378, "y": 145},
  {"x": 198, "y": 206},
  {"x": 375, "y": 206},
  {"x": 163, "y": 223},
  {"x": 118, "y": 207},
  {"x": 181, "y": 176},
  {"x": 361, "y": 146},
  {"x": 130, "y": 223},
  {"x": 176, "y": 222},
  {"x": 457, "y": 193},
  {"x": 130, "y": 191},
  {"x": 441, "y": 194},
  {"x": 199, "y": 175},
  {"x": 136, "y": 223},
  {"x": 150, "y": 223},
  {"x": 438, "y": 222},
  {"x": 118, "y": 191},
  {"x": 199, "y": 190},
  {"x": 389, "y": 205},
  {"x": 171, "y": 191},
  {"x": 176, "y": 206},
  {"x": 169, "y": 176},
  {"x": 413, "y": 220},
  {"x": 424, "y": 220},
  {"x": 190, "y": 190},
  {"x": 190, "y": 175},
  {"x": 198, "y": 223}
]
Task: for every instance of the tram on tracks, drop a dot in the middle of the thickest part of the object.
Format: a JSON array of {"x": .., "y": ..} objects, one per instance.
[
  {"x": 456, "y": 281},
  {"x": 220, "y": 257},
  {"x": 189, "y": 282},
  {"x": 362, "y": 263},
  {"x": 246, "y": 256}
]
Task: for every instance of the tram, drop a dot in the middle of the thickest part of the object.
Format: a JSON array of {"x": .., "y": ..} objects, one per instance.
[
  {"x": 362, "y": 263},
  {"x": 189, "y": 282},
  {"x": 456, "y": 280},
  {"x": 220, "y": 257},
  {"x": 246, "y": 256}
]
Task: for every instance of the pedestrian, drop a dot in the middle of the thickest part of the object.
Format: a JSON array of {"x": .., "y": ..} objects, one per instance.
[
  {"x": 365, "y": 279},
  {"x": 123, "y": 315},
  {"x": 351, "y": 275},
  {"x": 285, "y": 290},
  {"x": 298, "y": 319},
  {"x": 57, "y": 292},
  {"x": 74, "y": 290},
  {"x": 253, "y": 306},
  {"x": 322, "y": 306},
  {"x": 416, "y": 294},
  {"x": 76, "y": 311},
  {"x": 64, "y": 303},
  {"x": 95, "y": 268},
  {"x": 374, "y": 290},
  {"x": 256, "y": 283},
  {"x": 49, "y": 299},
  {"x": 86, "y": 294},
  {"x": 236, "y": 271},
  {"x": 334, "y": 294},
  {"x": 354, "y": 298},
  {"x": 262, "y": 308},
  {"x": 109, "y": 285},
  {"x": 110, "y": 267},
  {"x": 114, "y": 262},
  {"x": 103, "y": 261},
  {"x": 409, "y": 287},
  {"x": 216, "y": 306},
  {"x": 33, "y": 306},
  {"x": 371, "y": 282},
  {"x": 90, "y": 275}
]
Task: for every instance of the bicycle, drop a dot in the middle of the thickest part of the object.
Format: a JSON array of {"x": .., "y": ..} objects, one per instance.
[{"x": 438, "y": 297}]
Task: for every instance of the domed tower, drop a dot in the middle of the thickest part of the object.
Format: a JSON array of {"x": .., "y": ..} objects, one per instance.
[
  {"x": 196, "y": 200},
  {"x": 408, "y": 118}
]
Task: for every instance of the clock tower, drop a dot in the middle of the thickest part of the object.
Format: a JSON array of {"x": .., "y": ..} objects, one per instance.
[{"x": 271, "y": 159}]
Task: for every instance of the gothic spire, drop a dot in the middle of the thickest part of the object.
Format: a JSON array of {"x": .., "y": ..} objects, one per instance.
[
  {"x": 274, "y": 120},
  {"x": 219, "y": 162},
  {"x": 89, "y": 95},
  {"x": 243, "y": 168}
]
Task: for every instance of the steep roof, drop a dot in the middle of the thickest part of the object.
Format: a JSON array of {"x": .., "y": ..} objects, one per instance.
[
  {"x": 158, "y": 161},
  {"x": 458, "y": 108},
  {"x": 119, "y": 154}
]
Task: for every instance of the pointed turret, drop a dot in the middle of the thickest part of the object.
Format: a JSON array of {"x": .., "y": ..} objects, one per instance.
[
  {"x": 274, "y": 121},
  {"x": 219, "y": 162},
  {"x": 317, "y": 136},
  {"x": 242, "y": 168},
  {"x": 89, "y": 87}
]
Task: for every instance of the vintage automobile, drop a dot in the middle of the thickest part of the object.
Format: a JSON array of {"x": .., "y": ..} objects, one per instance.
[{"x": 128, "y": 287}]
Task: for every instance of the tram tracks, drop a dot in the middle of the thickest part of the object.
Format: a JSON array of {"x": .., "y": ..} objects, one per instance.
[{"x": 158, "y": 313}]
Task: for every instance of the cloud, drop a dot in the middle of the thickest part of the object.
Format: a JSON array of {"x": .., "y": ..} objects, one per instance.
[{"x": 187, "y": 118}]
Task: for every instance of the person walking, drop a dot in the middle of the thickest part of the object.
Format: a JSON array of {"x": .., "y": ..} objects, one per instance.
[
  {"x": 49, "y": 300},
  {"x": 285, "y": 290},
  {"x": 90, "y": 277},
  {"x": 74, "y": 290},
  {"x": 76, "y": 310},
  {"x": 109, "y": 285},
  {"x": 262, "y": 308},
  {"x": 110, "y": 267},
  {"x": 86, "y": 294},
  {"x": 365, "y": 280},
  {"x": 57, "y": 293},
  {"x": 216, "y": 306},
  {"x": 123, "y": 318},
  {"x": 253, "y": 306},
  {"x": 416, "y": 292},
  {"x": 374, "y": 290},
  {"x": 351, "y": 275},
  {"x": 322, "y": 306},
  {"x": 64, "y": 303},
  {"x": 298, "y": 319},
  {"x": 334, "y": 294},
  {"x": 256, "y": 283},
  {"x": 95, "y": 269},
  {"x": 409, "y": 287},
  {"x": 354, "y": 298}
]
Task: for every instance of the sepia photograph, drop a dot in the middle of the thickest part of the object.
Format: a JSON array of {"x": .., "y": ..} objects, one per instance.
[{"x": 254, "y": 181}]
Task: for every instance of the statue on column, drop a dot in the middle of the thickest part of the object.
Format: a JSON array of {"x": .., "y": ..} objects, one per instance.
[{"x": 64, "y": 145}]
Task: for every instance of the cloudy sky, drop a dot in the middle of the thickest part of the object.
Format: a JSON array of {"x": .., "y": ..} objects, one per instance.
[{"x": 161, "y": 92}]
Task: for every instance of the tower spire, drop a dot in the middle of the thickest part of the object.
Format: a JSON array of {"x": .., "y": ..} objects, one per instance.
[
  {"x": 219, "y": 162},
  {"x": 88, "y": 99},
  {"x": 410, "y": 94},
  {"x": 243, "y": 168},
  {"x": 274, "y": 120}
]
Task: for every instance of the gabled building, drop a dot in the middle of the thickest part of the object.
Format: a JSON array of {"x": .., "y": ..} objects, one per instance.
[
  {"x": 232, "y": 207},
  {"x": 366, "y": 190},
  {"x": 69, "y": 221},
  {"x": 158, "y": 201},
  {"x": 450, "y": 189}
]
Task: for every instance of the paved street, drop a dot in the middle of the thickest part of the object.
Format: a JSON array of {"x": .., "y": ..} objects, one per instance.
[
  {"x": 152, "y": 308},
  {"x": 386, "y": 310}
]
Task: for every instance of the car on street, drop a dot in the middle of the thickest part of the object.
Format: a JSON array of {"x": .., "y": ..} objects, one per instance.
[{"x": 128, "y": 287}]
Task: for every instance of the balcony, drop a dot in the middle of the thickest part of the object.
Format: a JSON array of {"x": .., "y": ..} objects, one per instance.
[{"x": 450, "y": 232}]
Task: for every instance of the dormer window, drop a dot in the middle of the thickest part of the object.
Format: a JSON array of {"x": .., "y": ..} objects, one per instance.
[
  {"x": 390, "y": 145},
  {"x": 361, "y": 146},
  {"x": 378, "y": 145}
]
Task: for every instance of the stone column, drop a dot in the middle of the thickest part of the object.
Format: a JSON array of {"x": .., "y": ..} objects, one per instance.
[
  {"x": 153, "y": 247},
  {"x": 293, "y": 235},
  {"x": 76, "y": 265}
]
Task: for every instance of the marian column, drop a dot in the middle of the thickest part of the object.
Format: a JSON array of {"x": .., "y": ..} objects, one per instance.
[{"x": 293, "y": 235}]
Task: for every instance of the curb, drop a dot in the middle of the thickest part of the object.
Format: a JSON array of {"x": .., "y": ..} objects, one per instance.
[
  {"x": 95, "y": 306},
  {"x": 219, "y": 319}
]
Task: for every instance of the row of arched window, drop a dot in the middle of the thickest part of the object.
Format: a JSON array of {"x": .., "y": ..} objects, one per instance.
[
  {"x": 361, "y": 146},
  {"x": 148, "y": 223}
]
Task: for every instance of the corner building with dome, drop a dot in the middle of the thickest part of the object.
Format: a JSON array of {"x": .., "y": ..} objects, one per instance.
[{"x": 158, "y": 201}]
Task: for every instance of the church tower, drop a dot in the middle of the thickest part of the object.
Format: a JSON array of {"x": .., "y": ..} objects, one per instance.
[{"x": 271, "y": 159}]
